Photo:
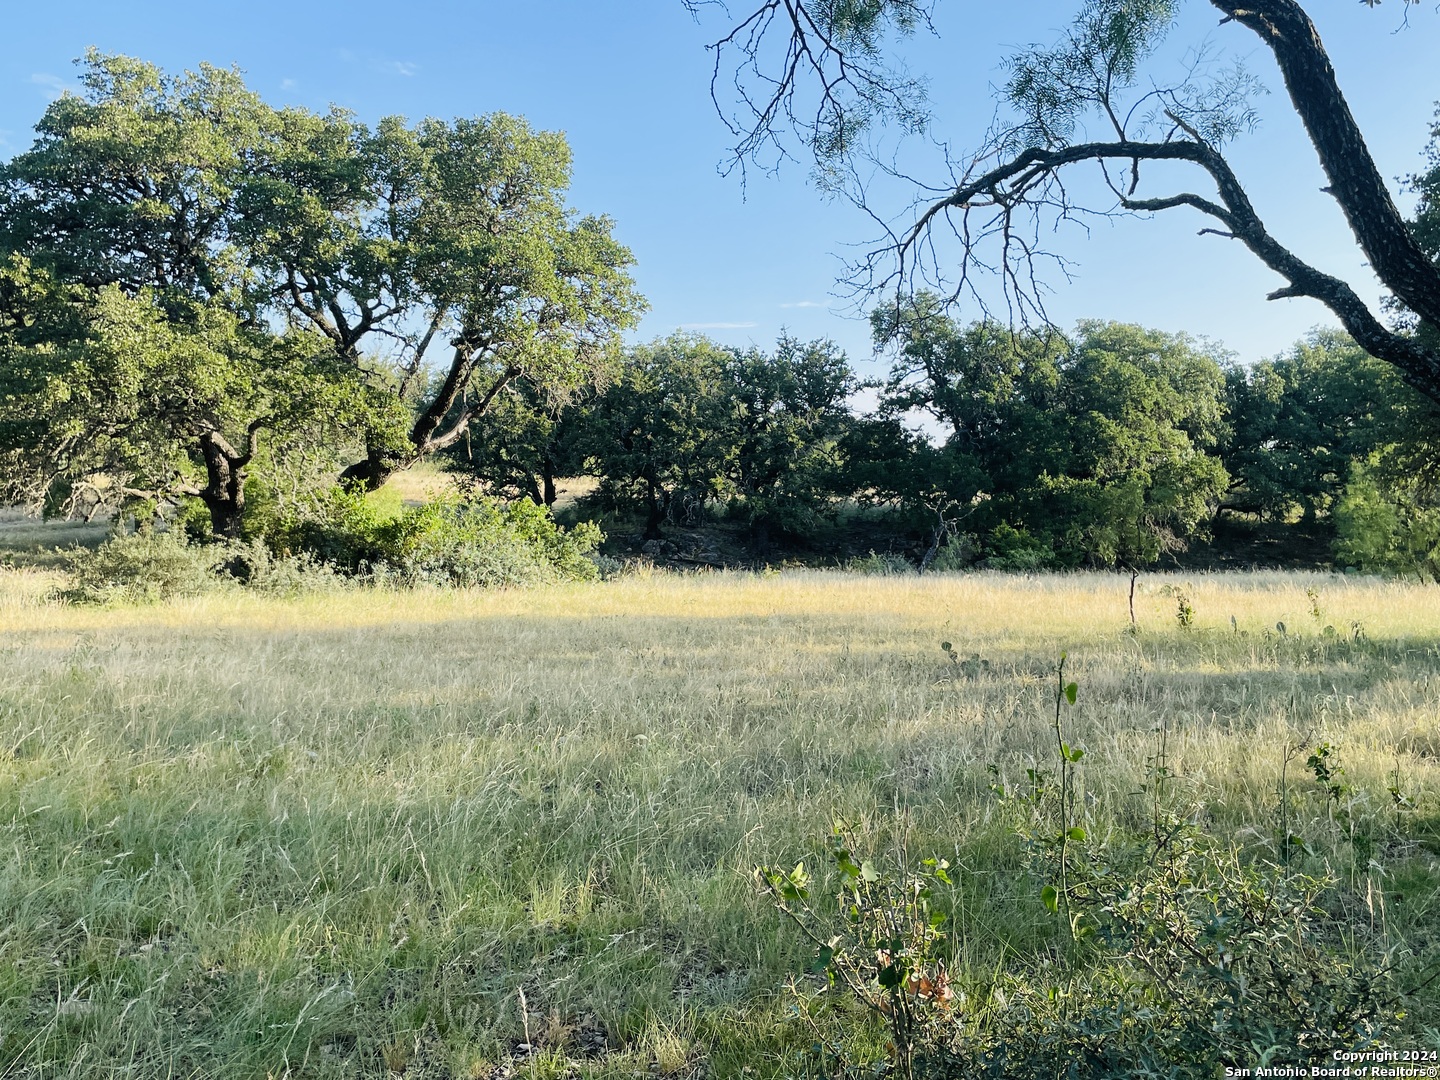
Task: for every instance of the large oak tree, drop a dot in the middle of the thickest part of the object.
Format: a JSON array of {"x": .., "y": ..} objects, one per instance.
[
  {"x": 138, "y": 359},
  {"x": 292, "y": 276}
]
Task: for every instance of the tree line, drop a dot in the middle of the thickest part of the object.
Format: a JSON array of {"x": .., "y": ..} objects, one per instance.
[
  {"x": 228, "y": 312},
  {"x": 1112, "y": 445}
]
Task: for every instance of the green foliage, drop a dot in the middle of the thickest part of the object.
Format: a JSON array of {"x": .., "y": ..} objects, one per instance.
[
  {"x": 1426, "y": 224},
  {"x": 1185, "y": 607},
  {"x": 142, "y": 362},
  {"x": 1366, "y": 524},
  {"x": 879, "y": 565},
  {"x": 144, "y": 567},
  {"x": 1299, "y": 423},
  {"x": 888, "y": 951},
  {"x": 152, "y": 566},
  {"x": 1054, "y": 89},
  {"x": 1099, "y": 450},
  {"x": 1016, "y": 549},
  {"x": 175, "y": 223},
  {"x": 441, "y": 259},
  {"x": 522, "y": 444},
  {"x": 657, "y": 436},
  {"x": 343, "y": 534},
  {"x": 1388, "y": 523},
  {"x": 478, "y": 543},
  {"x": 485, "y": 544},
  {"x": 688, "y": 424},
  {"x": 790, "y": 414}
]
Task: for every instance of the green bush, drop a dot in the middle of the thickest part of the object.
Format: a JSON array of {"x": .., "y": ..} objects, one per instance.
[
  {"x": 476, "y": 543},
  {"x": 154, "y": 566},
  {"x": 887, "y": 565},
  {"x": 253, "y": 564},
  {"x": 342, "y": 535},
  {"x": 1015, "y": 549},
  {"x": 484, "y": 544},
  {"x": 142, "y": 568},
  {"x": 959, "y": 554},
  {"x": 1387, "y": 526}
]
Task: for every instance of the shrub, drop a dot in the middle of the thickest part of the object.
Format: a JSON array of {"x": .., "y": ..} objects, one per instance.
[
  {"x": 887, "y": 565},
  {"x": 485, "y": 543},
  {"x": 142, "y": 568},
  {"x": 479, "y": 542},
  {"x": 959, "y": 554},
  {"x": 1015, "y": 549},
  {"x": 1387, "y": 526},
  {"x": 154, "y": 566},
  {"x": 257, "y": 567}
]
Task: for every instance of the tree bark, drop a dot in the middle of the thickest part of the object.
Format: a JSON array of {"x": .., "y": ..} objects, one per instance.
[
  {"x": 547, "y": 478},
  {"x": 370, "y": 472},
  {"x": 224, "y": 492},
  {"x": 1355, "y": 181}
]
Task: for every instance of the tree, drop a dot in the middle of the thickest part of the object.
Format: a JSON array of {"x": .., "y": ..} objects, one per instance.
[
  {"x": 423, "y": 268},
  {"x": 789, "y": 419},
  {"x": 108, "y": 399},
  {"x": 137, "y": 351},
  {"x": 819, "y": 68},
  {"x": 660, "y": 435},
  {"x": 523, "y": 444},
  {"x": 441, "y": 258},
  {"x": 689, "y": 423},
  {"x": 1098, "y": 449},
  {"x": 1131, "y": 474},
  {"x": 1299, "y": 421},
  {"x": 982, "y": 383},
  {"x": 1388, "y": 522}
]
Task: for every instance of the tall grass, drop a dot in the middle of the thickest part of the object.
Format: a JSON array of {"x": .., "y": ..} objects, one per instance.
[{"x": 388, "y": 832}]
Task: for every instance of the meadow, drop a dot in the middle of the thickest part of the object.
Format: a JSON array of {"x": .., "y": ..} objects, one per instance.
[{"x": 469, "y": 834}]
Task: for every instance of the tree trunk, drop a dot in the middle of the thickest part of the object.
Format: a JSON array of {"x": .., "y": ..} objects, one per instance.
[
  {"x": 224, "y": 494},
  {"x": 547, "y": 477},
  {"x": 370, "y": 472}
]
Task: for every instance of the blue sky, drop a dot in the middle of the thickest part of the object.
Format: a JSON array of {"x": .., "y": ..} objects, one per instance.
[{"x": 628, "y": 81}]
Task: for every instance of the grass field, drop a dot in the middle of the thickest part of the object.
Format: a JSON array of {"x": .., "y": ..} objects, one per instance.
[{"x": 374, "y": 833}]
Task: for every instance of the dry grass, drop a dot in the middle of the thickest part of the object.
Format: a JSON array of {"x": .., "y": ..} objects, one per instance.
[{"x": 341, "y": 834}]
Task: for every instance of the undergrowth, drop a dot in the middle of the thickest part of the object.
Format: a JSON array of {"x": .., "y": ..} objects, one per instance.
[{"x": 1169, "y": 951}]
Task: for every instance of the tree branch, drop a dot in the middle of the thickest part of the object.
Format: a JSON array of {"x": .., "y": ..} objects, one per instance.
[
  {"x": 1355, "y": 181},
  {"x": 1015, "y": 183}
]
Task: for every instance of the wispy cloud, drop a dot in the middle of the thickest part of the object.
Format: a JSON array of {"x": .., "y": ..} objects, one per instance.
[
  {"x": 804, "y": 303},
  {"x": 404, "y": 68},
  {"x": 717, "y": 325},
  {"x": 288, "y": 84},
  {"x": 53, "y": 85}
]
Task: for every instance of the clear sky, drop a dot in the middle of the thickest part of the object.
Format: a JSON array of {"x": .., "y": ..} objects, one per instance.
[{"x": 628, "y": 81}]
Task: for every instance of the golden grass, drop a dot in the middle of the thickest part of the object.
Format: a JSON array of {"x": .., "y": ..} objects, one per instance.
[{"x": 311, "y": 836}]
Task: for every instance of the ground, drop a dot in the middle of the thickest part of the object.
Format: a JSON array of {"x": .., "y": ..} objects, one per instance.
[{"x": 372, "y": 833}]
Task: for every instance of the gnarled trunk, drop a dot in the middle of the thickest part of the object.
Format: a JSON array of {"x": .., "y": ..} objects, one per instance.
[{"x": 224, "y": 492}]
